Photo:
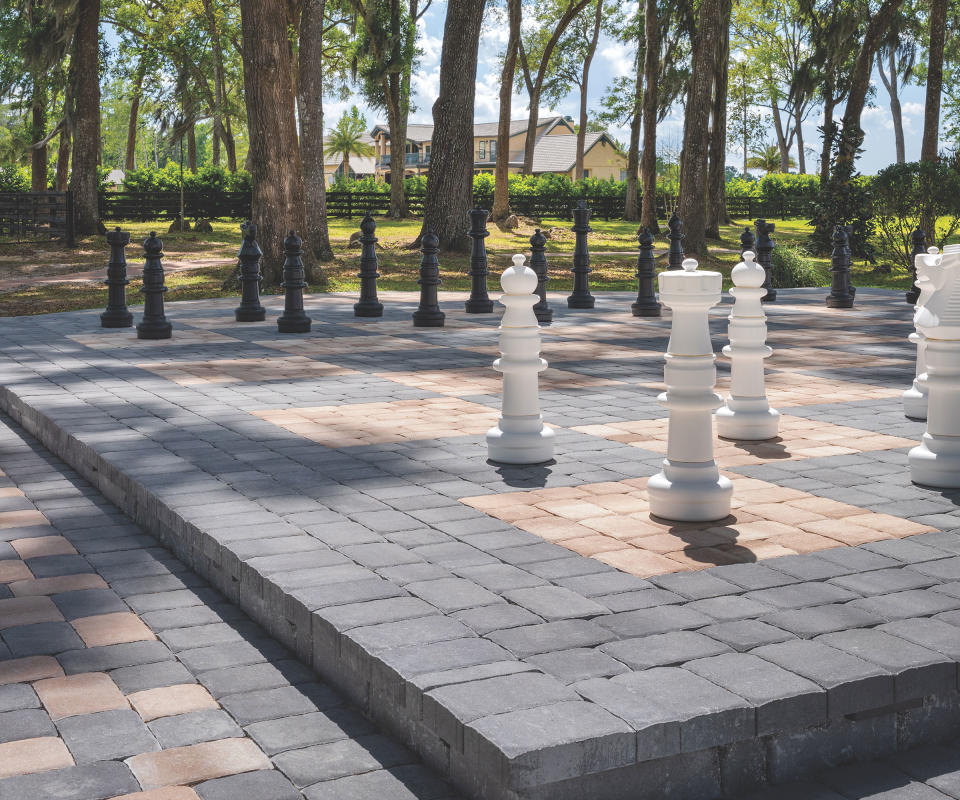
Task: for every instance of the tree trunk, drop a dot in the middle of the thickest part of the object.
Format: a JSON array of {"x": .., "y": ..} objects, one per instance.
[
  {"x": 63, "y": 160},
  {"x": 230, "y": 145},
  {"x": 585, "y": 77},
  {"x": 85, "y": 82},
  {"x": 397, "y": 109},
  {"x": 930, "y": 144},
  {"x": 696, "y": 130},
  {"x": 717, "y": 175},
  {"x": 781, "y": 137},
  {"x": 278, "y": 202},
  {"x": 310, "y": 105},
  {"x": 450, "y": 188},
  {"x": 801, "y": 155},
  {"x": 130, "y": 162},
  {"x": 501, "y": 173},
  {"x": 38, "y": 130},
  {"x": 829, "y": 102},
  {"x": 192, "y": 146},
  {"x": 890, "y": 84},
  {"x": 219, "y": 81},
  {"x": 630, "y": 211},
  {"x": 651, "y": 100},
  {"x": 215, "y": 158}
]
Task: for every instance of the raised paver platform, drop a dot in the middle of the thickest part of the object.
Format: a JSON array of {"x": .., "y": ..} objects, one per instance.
[{"x": 533, "y": 632}]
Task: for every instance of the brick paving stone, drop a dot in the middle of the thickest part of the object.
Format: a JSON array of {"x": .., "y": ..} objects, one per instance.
[
  {"x": 531, "y": 640},
  {"x": 88, "y": 602},
  {"x": 17, "y": 696},
  {"x": 664, "y": 650},
  {"x": 39, "y": 754},
  {"x": 249, "y": 707},
  {"x": 115, "y": 656},
  {"x": 570, "y": 666},
  {"x": 42, "y": 638},
  {"x": 326, "y": 762},
  {"x": 25, "y": 724},
  {"x": 199, "y": 762},
  {"x": 904, "y": 605},
  {"x": 296, "y": 732},
  {"x": 745, "y": 634},
  {"x": 108, "y": 779},
  {"x": 262, "y": 785},
  {"x": 399, "y": 783},
  {"x": 880, "y": 781},
  {"x": 79, "y": 694},
  {"x": 30, "y": 668},
  {"x": 116, "y": 628},
  {"x": 150, "y": 676},
  {"x": 106, "y": 736},
  {"x": 554, "y": 603},
  {"x": 646, "y": 622},
  {"x": 164, "y": 793},
  {"x": 810, "y": 622},
  {"x": 502, "y": 616},
  {"x": 194, "y": 727},
  {"x": 169, "y": 701}
]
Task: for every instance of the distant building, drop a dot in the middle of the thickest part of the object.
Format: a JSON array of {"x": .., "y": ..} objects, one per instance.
[
  {"x": 360, "y": 166},
  {"x": 114, "y": 178},
  {"x": 555, "y": 150}
]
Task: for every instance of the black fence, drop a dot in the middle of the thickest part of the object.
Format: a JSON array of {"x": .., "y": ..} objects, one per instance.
[
  {"x": 37, "y": 217},
  {"x": 147, "y": 206}
]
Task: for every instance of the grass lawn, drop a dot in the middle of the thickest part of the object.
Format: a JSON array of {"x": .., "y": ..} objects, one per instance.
[{"x": 613, "y": 246}]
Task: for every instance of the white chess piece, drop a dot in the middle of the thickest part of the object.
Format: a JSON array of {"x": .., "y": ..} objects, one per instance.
[
  {"x": 936, "y": 460},
  {"x": 747, "y": 415},
  {"x": 915, "y": 398},
  {"x": 520, "y": 436},
  {"x": 690, "y": 488}
]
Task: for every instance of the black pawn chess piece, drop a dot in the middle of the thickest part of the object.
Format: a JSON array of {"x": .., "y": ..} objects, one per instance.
[
  {"x": 479, "y": 301},
  {"x": 581, "y": 297},
  {"x": 646, "y": 304},
  {"x": 293, "y": 319},
  {"x": 428, "y": 313},
  {"x": 154, "y": 324},
  {"x": 369, "y": 305},
  {"x": 765, "y": 257},
  {"x": 918, "y": 242},
  {"x": 538, "y": 263},
  {"x": 841, "y": 295},
  {"x": 676, "y": 236},
  {"x": 250, "y": 309},
  {"x": 117, "y": 315},
  {"x": 748, "y": 242}
]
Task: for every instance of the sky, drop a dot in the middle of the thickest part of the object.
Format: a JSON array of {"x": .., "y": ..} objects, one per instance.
[{"x": 614, "y": 58}]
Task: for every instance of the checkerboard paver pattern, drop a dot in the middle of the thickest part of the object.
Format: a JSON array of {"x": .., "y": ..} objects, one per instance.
[{"x": 244, "y": 370}]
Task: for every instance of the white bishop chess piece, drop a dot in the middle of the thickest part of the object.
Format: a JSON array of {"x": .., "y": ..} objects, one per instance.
[
  {"x": 690, "y": 488},
  {"x": 746, "y": 415},
  {"x": 520, "y": 437},
  {"x": 915, "y": 398}
]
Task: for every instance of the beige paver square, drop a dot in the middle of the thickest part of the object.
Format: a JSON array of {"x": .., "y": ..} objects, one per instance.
[
  {"x": 120, "y": 339},
  {"x": 43, "y": 546},
  {"x": 245, "y": 370},
  {"x": 85, "y": 693},
  {"x": 198, "y": 762},
  {"x": 378, "y": 423},
  {"x": 808, "y": 358},
  {"x": 22, "y": 519},
  {"x": 27, "y": 611},
  {"x": 116, "y": 628},
  {"x": 168, "y": 701},
  {"x": 26, "y": 756},
  {"x": 338, "y": 345},
  {"x": 55, "y": 585},
  {"x": 471, "y": 381},
  {"x": 11, "y": 569},
  {"x": 30, "y": 668},
  {"x": 164, "y": 793}
]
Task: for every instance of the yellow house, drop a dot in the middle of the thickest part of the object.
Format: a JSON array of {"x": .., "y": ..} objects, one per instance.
[
  {"x": 360, "y": 166},
  {"x": 554, "y": 150}
]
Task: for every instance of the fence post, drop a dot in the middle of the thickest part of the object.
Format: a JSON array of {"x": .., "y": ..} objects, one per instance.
[{"x": 349, "y": 204}]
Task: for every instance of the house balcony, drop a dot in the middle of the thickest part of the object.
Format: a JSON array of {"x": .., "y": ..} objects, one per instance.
[{"x": 409, "y": 160}]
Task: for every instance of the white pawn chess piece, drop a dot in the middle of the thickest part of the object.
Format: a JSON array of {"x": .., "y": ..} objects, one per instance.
[
  {"x": 690, "y": 488},
  {"x": 936, "y": 460},
  {"x": 915, "y": 398},
  {"x": 520, "y": 436},
  {"x": 747, "y": 415}
]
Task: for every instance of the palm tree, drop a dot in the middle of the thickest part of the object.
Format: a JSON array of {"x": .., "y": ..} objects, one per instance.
[
  {"x": 347, "y": 139},
  {"x": 767, "y": 158}
]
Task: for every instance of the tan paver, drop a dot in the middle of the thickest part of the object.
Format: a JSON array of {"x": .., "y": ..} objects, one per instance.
[
  {"x": 116, "y": 628},
  {"x": 12, "y": 569},
  {"x": 43, "y": 546},
  {"x": 85, "y": 693},
  {"x": 198, "y": 762},
  {"x": 30, "y": 668},
  {"x": 165, "y": 793},
  {"x": 22, "y": 519},
  {"x": 469, "y": 381},
  {"x": 60, "y": 583},
  {"x": 245, "y": 370},
  {"x": 169, "y": 701},
  {"x": 25, "y": 756},
  {"x": 27, "y": 611}
]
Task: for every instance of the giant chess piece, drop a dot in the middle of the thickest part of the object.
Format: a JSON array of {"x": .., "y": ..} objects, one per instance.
[
  {"x": 690, "y": 488},
  {"x": 764, "y": 251},
  {"x": 154, "y": 324},
  {"x": 646, "y": 304},
  {"x": 428, "y": 313},
  {"x": 294, "y": 319},
  {"x": 479, "y": 301},
  {"x": 520, "y": 436},
  {"x": 538, "y": 263},
  {"x": 748, "y": 242},
  {"x": 936, "y": 460},
  {"x": 676, "y": 236},
  {"x": 746, "y": 415},
  {"x": 117, "y": 315},
  {"x": 918, "y": 241},
  {"x": 841, "y": 295},
  {"x": 250, "y": 309},
  {"x": 581, "y": 297},
  {"x": 369, "y": 305},
  {"x": 915, "y": 398}
]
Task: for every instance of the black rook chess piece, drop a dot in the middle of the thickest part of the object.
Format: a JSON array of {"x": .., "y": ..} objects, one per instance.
[
  {"x": 581, "y": 297},
  {"x": 646, "y": 304},
  {"x": 918, "y": 241},
  {"x": 154, "y": 324},
  {"x": 428, "y": 313},
  {"x": 116, "y": 314},
  {"x": 293, "y": 319},
  {"x": 538, "y": 263},
  {"x": 479, "y": 302},
  {"x": 250, "y": 278},
  {"x": 841, "y": 293},
  {"x": 369, "y": 305},
  {"x": 765, "y": 257},
  {"x": 676, "y": 236}
]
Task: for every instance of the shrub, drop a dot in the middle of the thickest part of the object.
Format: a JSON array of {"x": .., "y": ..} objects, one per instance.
[
  {"x": 780, "y": 186},
  {"x": 14, "y": 179},
  {"x": 167, "y": 179},
  {"x": 792, "y": 268}
]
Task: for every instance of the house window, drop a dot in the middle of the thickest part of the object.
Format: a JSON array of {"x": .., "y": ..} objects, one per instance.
[
  {"x": 483, "y": 149},
  {"x": 493, "y": 149},
  {"x": 623, "y": 172},
  {"x": 586, "y": 173}
]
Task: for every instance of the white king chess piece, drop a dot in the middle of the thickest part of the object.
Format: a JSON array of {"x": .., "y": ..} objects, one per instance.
[
  {"x": 690, "y": 488},
  {"x": 747, "y": 415},
  {"x": 520, "y": 436},
  {"x": 936, "y": 460},
  {"x": 915, "y": 398}
]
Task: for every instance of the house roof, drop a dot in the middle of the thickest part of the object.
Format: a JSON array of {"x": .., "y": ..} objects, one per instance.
[
  {"x": 419, "y": 133},
  {"x": 559, "y": 153},
  {"x": 361, "y": 165}
]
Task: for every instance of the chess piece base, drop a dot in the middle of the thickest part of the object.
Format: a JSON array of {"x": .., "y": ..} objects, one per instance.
[
  {"x": 544, "y": 315},
  {"x": 581, "y": 302},
  {"x": 518, "y": 446},
  {"x": 428, "y": 319},
  {"x": 839, "y": 302},
  {"x": 936, "y": 462},
  {"x": 250, "y": 314},
  {"x": 362, "y": 309},
  {"x": 161, "y": 330},
  {"x": 116, "y": 320},
  {"x": 294, "y": 324},
  {"x": 770, "y": 296},
  {"x": 645, "y": 309},
  {"x": 478, "y": 306},
  {"x": 746, "y": 424},
  {"x": 687, "y": 492},
  {"x": 914, "y": 402}
]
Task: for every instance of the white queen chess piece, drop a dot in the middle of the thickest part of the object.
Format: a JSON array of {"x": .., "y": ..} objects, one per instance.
[
  {"x": 690, "y": 487},
  {"x": 936, "y": 460},
  {"x": 915, "y": 398},
  {"x": 747, "y": 415},
  {"x": 520, "y": 436}
]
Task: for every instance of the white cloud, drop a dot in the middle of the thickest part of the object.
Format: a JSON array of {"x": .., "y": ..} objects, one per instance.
[{"x": 621, "y": 57}]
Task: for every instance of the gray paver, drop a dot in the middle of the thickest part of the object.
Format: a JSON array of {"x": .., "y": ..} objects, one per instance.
[
  {"x": 579, "y": 664},
  {"x": 262, "y": 785},
  {"x": 197, "y": 726},
  {"x": 292, "y": 733},
  {"x": 745, "y": 634},
  {"x": 555, "y": 603},
  {"x": 664, "y": 650},
  {"x": 106, "y": 735},
  {"x": 810, "y": 622},
  {"x": 17, "y": 696},
  {"x": 248, "y": 707},
  {"x": 84, "y": 782},
  {"x": 25, "y": 724},
  {"x": 649, "y": 621},
  {"x": 530, "y": 640},
  {"x": 325, "y": 762},
  {"x": 409, "y": 782}
]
